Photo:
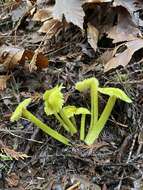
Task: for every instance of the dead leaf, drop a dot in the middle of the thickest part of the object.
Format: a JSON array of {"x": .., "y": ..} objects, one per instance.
[
  {"x": 72, "y": 11},
  {"x": 14, "y": 154},
  {"x": 92, "y": 35},
  {"x": 106, "y": 56},
  {"x": 11, "y": 152},
  {"x": 51, "y": 27},
  {"x": 11, "y": 56},
  {"x": 30, "y": 3},
  {"x": 130, "y": 6},
  {"x": 125, "y": 30},
  {"x": 18, "y": 12},
  {"x": 12, "y": 180},
  {"x": 122, "y": 59},
  {"x": 43, "y": 14},
  {"x": 140, "y": 137},
  {"x": 3, "y": 80}
]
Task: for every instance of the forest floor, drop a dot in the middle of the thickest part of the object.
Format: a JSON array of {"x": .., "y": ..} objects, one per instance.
[{"x": 115, "y": 161}]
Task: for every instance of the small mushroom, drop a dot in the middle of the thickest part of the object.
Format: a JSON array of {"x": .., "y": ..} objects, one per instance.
[
  {"x": 21, "y": 111},
  {"x": 114, "y": 93},
  {"x": 84, "y": 112},
  {"x": 54, "y": 101},
  {"x": 92, "y": 84},
  {"x": 70, "y": 111}
]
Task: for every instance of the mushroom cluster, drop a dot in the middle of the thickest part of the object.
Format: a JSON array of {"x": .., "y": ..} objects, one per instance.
[
  {"x": 97, "y": 124},
  {"x": 54, "y": 104}
]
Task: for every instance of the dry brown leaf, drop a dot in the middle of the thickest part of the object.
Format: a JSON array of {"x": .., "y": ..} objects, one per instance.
[
  {"x": 43, "y": 14},
  {"x": 11, "y": 56},
  {"x": 30, "y": 3},
  {"x": 125, "y": 30},
  {"x": 3, "y": 80},
  {"x": 92, "y": 35},
  {"x": 13, "y": 154},
  {"x": 106, "y": 56},
  {"x": 51, "y": 27},
  {"x": 41, "y": 61},
  {"x": 72, "y": 11},
  {"x": 138, "y": 4},
  {"x": 122, "y": 59},
  {"x": 130, "y": 6},
  {"x": 140, "y": 137}
]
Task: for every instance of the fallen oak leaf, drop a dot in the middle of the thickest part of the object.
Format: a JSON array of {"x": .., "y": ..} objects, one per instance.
[{"x": 123, "y": 58}]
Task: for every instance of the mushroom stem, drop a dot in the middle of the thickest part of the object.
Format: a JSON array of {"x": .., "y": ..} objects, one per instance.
[
  {"x": 94, "y": 106},
  {"x": 68, "y": 122},
  {"x": 73, "y": 120},
  {"x": 96, "y": 130},
  {"x": 28, "y": 115},
  {"x": 82, "y": 127},
  {"x": 61, "y": 122}
]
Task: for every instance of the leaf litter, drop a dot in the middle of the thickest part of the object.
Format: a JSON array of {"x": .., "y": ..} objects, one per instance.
[{"x": 44, "y": 43}]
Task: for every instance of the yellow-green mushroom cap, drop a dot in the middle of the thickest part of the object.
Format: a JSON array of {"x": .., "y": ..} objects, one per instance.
[
  {"x": 82, "y": 110},
  {"x": 18, "y": 111},
  {"x": 54, "y": 100},
  {"x": 70, "y": 111},
  {"x": 86, "y": 84},
  {"x": 116, "y": 92}
]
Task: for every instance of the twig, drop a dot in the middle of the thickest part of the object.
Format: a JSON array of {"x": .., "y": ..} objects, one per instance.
[{"x": 132, "y": 147}]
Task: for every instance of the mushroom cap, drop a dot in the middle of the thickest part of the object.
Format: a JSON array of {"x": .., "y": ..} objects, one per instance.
[
  {"x": 118, "y": 93},
  {"x": 86, "y": 84},
  {"x": 18, "y": 111},
  {"x": 54, "y": 100},
  {"x": 82, "y": 110},
  {"x": 70, "y": 111}
]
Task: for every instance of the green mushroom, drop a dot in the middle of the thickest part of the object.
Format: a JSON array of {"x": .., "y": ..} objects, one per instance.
[
  {"x": 54, "y": 101},
  {"x": 70, "y": 111},
  {"x": 114, "y": 93},
  {"x": 92, "y": 84},
  {"x": 21, "y": 111}
]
